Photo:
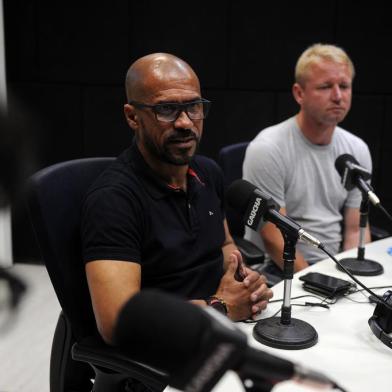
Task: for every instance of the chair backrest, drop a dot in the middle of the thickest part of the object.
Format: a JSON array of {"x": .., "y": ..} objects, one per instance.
[
  {"x": 230, "y": 159},
  {"x": 55, "y": 199}
]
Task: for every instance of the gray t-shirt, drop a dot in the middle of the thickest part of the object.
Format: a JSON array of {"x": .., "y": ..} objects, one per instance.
[{"x": 302, "y": 178}]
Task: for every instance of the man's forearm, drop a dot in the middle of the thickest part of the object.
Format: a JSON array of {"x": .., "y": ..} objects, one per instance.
[{"x": 351, "y": 238}]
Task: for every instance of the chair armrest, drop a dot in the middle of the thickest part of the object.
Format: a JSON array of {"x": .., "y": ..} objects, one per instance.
[
  {"x": 251, "y": 253},
  {"x": 98, "y": 354},
  {"x": 377, "y": 233}
]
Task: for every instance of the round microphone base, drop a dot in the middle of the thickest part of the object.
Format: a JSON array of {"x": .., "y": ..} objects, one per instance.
[
  {"x": 294, "y": 336},
  {"x": 362, "y": 267}
]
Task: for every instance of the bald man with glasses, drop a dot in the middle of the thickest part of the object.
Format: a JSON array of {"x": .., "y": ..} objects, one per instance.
[{"x": 155, "y": 218}]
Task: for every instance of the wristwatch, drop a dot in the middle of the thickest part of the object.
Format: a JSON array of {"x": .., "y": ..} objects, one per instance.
[{"x": 217, "y": 303}]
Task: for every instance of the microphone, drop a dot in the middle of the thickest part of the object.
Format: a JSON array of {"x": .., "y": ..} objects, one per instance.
[
  {"x": 256, "y": 205},
  {"x": 354, "y": 175},
  {"x": 196, "y": 346}
]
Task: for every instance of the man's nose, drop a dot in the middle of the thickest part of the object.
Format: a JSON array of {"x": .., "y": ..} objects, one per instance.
[
  {"x": 336, "y": 93},
  {"x": 183, "y": 120}
]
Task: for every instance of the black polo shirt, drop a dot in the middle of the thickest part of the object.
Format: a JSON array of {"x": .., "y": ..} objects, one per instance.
[{"x": 130, "y": 214}]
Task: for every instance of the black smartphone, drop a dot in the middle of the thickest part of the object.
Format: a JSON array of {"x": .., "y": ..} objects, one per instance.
[{"x": 330, "y": 286}]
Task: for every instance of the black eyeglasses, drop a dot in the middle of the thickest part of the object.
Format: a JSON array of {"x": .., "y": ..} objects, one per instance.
[{"x": 169, "y": 112}]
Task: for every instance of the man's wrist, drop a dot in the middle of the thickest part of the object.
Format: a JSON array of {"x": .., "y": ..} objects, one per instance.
[{"x": 217, "y": 303}]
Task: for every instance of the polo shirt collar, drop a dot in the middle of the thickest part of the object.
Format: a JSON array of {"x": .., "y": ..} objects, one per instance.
[{"x": 154, "y": 184}]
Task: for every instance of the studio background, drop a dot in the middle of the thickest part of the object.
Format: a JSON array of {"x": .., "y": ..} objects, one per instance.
[{"x": 66, "y": 63}]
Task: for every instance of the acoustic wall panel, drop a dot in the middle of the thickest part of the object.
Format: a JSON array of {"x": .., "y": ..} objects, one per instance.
[
  {"x": 196, "y": 32},
  {"x": 106, "y": 132},
  {"x": 82, "y": 41},
  {"x": 365, "y": 30},
  {"x": 286, "y": 106},
  {"x": 235, "y": 116},
  {"x": 385, "y": 179},
  {"x": 21, "y": 40},
  {"x": 267, "y": 38},
  {"x": 57, "y": 112}
]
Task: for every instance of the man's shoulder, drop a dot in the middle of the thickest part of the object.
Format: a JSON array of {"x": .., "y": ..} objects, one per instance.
[
  {"x": 118, "y": 175},
  {"x": 275, "y": 134},
  {"x": 342, "y": 135},
  {"x": 273, "y": 139}
]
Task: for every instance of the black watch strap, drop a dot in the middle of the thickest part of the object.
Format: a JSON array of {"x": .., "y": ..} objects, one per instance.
[{"x": 217, "y": 303}]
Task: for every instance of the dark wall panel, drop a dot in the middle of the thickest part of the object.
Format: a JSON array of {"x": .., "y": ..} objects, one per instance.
[
  {"x": 365, "y": 30},
  {"x": 366, "y": 120},
  {"x": 21, "y": 42},
  {"x": 385, "y": 172},
  {"x": 67, "y": 42},
  {"x": 235, "y": 116},
  {"x": 66, "y": 63},
  {"x": 106, "y": 132},
  {"x": 196, "y": 32},
  {"x": 56, "y": 136},
  {"x": 383, "y": 176},
  {"x": 79, "y": 43},
  {"x": 267, "y": 37},
  {"x": 58, "y": 112},
  {"x": 286, "y": 106}
]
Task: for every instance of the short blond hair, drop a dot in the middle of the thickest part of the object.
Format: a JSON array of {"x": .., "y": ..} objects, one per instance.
[{"x": 319, "y": 52}]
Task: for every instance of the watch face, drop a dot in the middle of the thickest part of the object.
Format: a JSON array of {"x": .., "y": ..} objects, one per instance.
[{"x": 217, "y": 303}]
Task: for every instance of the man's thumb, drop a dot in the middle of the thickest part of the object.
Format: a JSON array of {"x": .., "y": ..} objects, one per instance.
[{"x": 233, "y": 264}]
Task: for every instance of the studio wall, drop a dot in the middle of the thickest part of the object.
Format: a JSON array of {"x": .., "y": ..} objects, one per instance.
[{"x": 66, "y": 62}]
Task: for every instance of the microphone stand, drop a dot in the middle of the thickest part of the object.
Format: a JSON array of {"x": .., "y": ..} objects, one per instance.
[
  {"x": 360, "y": 265},
  {"x": 286, "y": 332}
]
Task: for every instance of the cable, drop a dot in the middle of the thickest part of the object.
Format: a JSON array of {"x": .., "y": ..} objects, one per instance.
[
  {"x": 375, "y": 287},
  {"x": 322, "y": 247},
  {"x": 388, "y": 215},
  {"x": 321, "y": 304},
  {"x": 337, "y": 386},
  {"x": 368, "y": 299},
  {"x": 304, "y": 295}
]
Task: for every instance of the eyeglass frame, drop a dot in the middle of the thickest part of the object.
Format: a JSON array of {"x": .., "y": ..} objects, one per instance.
[{"x": 181, "y": 107}]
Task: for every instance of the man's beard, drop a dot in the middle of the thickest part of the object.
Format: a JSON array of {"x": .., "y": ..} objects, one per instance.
[{"x": 165, "y": 153}]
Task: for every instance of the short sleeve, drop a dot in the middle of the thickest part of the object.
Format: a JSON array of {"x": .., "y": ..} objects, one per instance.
[{"x": 111, "y": 226}]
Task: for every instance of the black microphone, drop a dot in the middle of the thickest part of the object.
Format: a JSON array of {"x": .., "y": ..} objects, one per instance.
[
  {"x": 195, "y": 345},
  {"x": 354, "y": 175},
  {"x": 253, "y": 205}
]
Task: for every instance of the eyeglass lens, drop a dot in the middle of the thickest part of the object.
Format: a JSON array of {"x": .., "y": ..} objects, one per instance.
[{"x": 171, "y": 111}]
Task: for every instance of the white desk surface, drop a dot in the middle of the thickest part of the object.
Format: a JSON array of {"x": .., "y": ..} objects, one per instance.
[{"x": 347, "y": 351}]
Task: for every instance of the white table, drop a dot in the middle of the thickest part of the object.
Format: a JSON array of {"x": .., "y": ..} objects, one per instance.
[{"x": 347, "y": 350}]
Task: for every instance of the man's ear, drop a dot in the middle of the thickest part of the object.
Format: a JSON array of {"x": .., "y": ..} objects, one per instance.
[
  {"x": 131, "y": 116},
  {"x": 298, "y": 93}
]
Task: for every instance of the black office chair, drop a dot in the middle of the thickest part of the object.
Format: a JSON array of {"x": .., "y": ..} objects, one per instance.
[
  {"x": 78, "y": 353},
  {"x": 230, "y": 160}
]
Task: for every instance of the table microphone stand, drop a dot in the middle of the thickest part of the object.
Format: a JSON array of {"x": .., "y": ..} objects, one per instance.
[
  {"x": 286, "y": 332},
  {"x": 360, "y": 265}
]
